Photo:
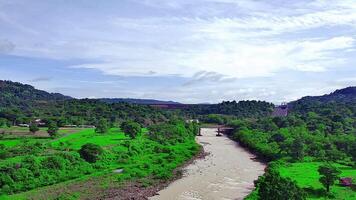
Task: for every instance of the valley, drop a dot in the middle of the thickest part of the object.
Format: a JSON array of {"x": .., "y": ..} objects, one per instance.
[{"x": 56, "y": 147}]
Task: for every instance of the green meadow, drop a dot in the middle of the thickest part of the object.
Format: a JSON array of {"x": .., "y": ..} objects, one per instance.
[
  {"x": 307, "y": 177},
  {"x": 77, "y": 140}
]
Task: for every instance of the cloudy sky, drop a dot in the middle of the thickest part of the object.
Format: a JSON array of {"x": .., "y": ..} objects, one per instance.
[{"x": 190, "y": 51}]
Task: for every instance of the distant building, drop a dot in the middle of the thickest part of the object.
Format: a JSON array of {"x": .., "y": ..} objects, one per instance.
[
  {"x": 192, "y": 121},
  {"x": 86, "y": 126},
  {"x": 280, "y": 111},
  {"x": 39, "y": 122},
  {"x": 346, "y": 182},
  {"x": 24, "y": 125},
  {"x": 70, "y": 126}
]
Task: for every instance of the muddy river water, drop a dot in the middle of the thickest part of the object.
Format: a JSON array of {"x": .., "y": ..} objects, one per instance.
[{"x": 227, "y": 173}]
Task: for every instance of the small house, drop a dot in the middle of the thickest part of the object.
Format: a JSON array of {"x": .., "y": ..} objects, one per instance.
[
  {"x": 280, "y": 111},
  {"x": 39, "y": 122}
]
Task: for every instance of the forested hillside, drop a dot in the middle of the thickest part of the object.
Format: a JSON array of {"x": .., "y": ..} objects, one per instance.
[
  {"x": 21, "y": 103},
  {"x": 342, "y": 101},
  {"x": 23, "y": 96}
]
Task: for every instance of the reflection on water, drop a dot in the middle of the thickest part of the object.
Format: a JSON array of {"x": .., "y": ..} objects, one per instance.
[{"x": 227, "y": 173}]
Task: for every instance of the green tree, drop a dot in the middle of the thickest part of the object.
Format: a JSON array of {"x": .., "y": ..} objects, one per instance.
[
  {"x": 90, "y": 152},
  {"x": 131, "y": 129},
  {"x": 297, "y": 149},
  {"x": 33, "y": 128},
  {"x": 102, "y": 126},
  {"x": 52, "y": 129},
  {"x": 272, "y": 186},
  {"x": 329, "y": 174}
]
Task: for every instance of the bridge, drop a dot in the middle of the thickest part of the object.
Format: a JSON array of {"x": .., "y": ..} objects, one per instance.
[{"x": 221, "y": 129}]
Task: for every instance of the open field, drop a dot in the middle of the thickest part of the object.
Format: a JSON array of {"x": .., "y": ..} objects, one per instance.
[
  {"x": 75, "y": 141},
  {"x": 24, "y": 131},
  {"x": 306, "y": 175},
  {"x": 14, "y": 135}
]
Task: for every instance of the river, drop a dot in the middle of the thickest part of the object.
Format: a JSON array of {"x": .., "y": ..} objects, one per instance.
[{"x": 227, "y": 173}]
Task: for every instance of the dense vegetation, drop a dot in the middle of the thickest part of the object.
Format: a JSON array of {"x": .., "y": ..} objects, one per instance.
[
  {"x": 241, "y": 109},
  {"x": 34, "y": 162},
  {"x": 20, "y": 96},
  {"x": 322, "y": 134}
]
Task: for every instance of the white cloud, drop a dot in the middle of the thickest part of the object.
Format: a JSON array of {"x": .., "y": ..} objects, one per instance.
[
  {"x": 238, "y": 47},
  {"x": 225, "y": 39}
]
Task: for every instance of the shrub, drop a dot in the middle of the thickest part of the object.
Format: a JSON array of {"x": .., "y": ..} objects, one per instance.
[
  {"x": 53, "y": 162},
  {"x": 272, "y": 186},
  {"x": 33, "y": 128},
  {"x": 52, "y": 129},
  {"x": 90, "y": 152}
]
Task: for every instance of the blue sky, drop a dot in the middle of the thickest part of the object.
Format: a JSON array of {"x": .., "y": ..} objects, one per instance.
[{"x": 183, "y": 50}]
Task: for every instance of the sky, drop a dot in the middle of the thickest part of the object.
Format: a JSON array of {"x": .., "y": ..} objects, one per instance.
[{"x": 201, "y": 51}]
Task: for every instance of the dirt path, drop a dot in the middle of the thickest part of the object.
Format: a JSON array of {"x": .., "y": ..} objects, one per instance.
[{"x": 227, "y": 173}]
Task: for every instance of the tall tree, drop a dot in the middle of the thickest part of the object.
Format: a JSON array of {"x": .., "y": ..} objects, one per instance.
[{"x": 329, "y": 174}]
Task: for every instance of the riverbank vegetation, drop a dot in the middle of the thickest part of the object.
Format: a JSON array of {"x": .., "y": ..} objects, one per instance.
[
  {"x": 34, "y": 163},
  {"x": 303, "y": 143}
]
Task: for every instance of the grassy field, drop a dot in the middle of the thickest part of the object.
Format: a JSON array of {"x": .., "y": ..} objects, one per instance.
[
  {"x": 15, "y": 135},
  {"x": 75, "y": 141},
  {"x": 140, "y": 158},
  {"x": 306, "y": 175}
]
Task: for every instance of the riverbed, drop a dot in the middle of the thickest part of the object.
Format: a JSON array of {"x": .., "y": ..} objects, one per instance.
[{"x": 226, "y": 173}]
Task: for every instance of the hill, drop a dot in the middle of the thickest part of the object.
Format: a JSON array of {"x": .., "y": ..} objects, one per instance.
[
  {"x": 21, "y": 103},
  {"x": 344, "y": 100},
  {"x": 13, "y": 94},
  {"x": 342, "y": 95}
]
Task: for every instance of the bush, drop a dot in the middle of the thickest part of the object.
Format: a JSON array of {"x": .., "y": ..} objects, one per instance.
[
  {"x": 53, "y": 162},
  {"x": 130, "y": 128},
  {"x": 33, "y": 128},
  {"x": 272, "y": 186},
  {"x": 90, "y": 152}
]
